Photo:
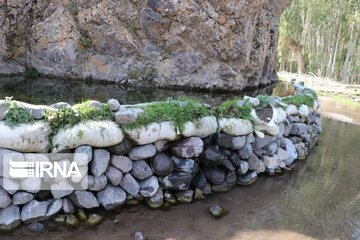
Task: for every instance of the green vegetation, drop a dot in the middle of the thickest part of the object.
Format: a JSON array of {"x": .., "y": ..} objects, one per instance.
[
  {"x": 72, "y": 8},
  {"x": 232, "y": 109},
  {"x": 346, "y": 101},
  {"x": 85, "y": 42},
  {"x": 32, "y": 73},
  {"x": 16, "y": 114},
  {"x": 173, "y": 110},
  {"x": 299, "y": 100},
  {"x": 264, "y": 100},
  {"x": 68, "y": 117},
  {"x": 147, "y": 73},
  {"x": 131, "y": 26}
]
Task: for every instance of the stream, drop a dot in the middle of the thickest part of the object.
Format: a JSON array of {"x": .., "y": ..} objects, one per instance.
[{"x": 318, "y": 199}]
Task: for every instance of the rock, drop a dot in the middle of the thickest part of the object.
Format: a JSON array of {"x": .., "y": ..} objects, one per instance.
[
  {"x": 162, "y": 145},
  {"x": 246, "y": 151},
  {"x": 262, "y": 142},
  {"x": 94, "y": 104},
  {"x": 230, "y": 142},
  {"x": 54, "y": 207},
  {"x": 111, "y": 197},
  {"x": 139, "y": 236},
  {"x": 221, "y": 188},
  {"x": 301, "y": 151},
  {"x": 21, "y": 198},
  {"x": 185, "y": 165},
  {"x": 299, "y": 129},
  {"x": 243, "y": 168},
  {"x": 113, "y": 104},
  {"x": 282, "y": 155},
  {"x": 176, "y": 181},
  {"x": 217, "y": 212},
  {"x": 235, "y": 160},
  {"x": 230, "y": 179},
  {"x": 255, "y": 164},
  {"x": 227, "y": 166},
  {"x": 5, "y": 199},
  {"x": 271, "y": 162},
  {"x": 36, "y": 227},
  {"x": 153, "y": 132},
  {"x": 94, "y": 219},
  {"x": 214, "y": 175},
  {"x": 291, "y": 150},
  {"x": 250, "y": 138},
  {"x": 31, "y": 185},
  {"x": 253, "y": 101},
  {"x": 127, "y": 116},
  {"x": 291, "y": 110},
  {"x": 80, "y": 160},
  {"x": 124, "y": 164},
  {"x": 184, "y": 196},
  {"x": 169, "y": 197},
  {"x": 202, "y": 127},
  {"x": 235, "y": 126},
  {"x": 32, "y": 137},
  {"x": 34, "y": 211},
  {"x": 61, "y": 189},
  {"x": 198, "y": 194},
  {"x": 122, "y": 148},
  {"x": 71, "y": 221},
  {"x": 247, "y": 179},
  {"x": 113, "y": 175},
  {"x": 97, "y": 183},
  {"x": 84, "y": 199},
  {"x": 80, "y": 213},
  {"x": 100, "y": 162},
  {"x": 100, "y": 134},
  {"x": 10, "y": 218},
  {"x": 199, "y": 181},
  {"x": 212, "y": 157},
  {"x": 142, "y": 152},
  {"x": 187, "y": 147},
  {"x": 141, "y": 170},
  {"x": 149, "y": 186},
  {"x": 304, "y": 110},
  {"x": 207, "y": 189},
  {"x": 130, "y": 185},
  {"x": 161, "y": 164},
  {"x": 61, "y": 105},
  {"x": 10, "y": 185},
  {"x": 157, "y": 200},
  {"x": 271, "y": 148},
  {"x": 68, "y": 206}
]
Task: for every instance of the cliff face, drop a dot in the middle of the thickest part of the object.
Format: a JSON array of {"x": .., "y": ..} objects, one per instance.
[{"x": 211, "y": 44}]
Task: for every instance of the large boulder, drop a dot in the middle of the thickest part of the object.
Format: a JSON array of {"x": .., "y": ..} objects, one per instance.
[
  {"x": 202, "y": 127},
  {"x": 111, "y": 197},
  {"x": 10, "y": 218},
  {"x": 98, "y": 134},
  {"x": 235, "y": 126},
  {"x": 187, "y": 147}
]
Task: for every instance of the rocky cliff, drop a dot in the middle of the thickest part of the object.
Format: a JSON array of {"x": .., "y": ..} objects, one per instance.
[{"x": 211, "y": 44}]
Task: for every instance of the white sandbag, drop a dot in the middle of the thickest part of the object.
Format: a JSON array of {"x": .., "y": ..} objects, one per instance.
[
  {"x": 202, "y": 127},
  {"x": 291, "y": 110},
  {"x": 269, "y": 126},
  {"x": 94, "y": 133},
  {"x": 304, "y": 110},
  {"x": 235, "y": 126},
  {"x": 30, "y": 137},
  {"x": 281, "y": 115},
  {"x": 153, "y": 133}
]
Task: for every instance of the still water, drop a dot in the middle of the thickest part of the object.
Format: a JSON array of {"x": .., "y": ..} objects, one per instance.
[{"x": 319, "y": 199}]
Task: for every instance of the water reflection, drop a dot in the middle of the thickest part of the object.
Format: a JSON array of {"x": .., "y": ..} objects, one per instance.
[{"x": 48, "y": 91}]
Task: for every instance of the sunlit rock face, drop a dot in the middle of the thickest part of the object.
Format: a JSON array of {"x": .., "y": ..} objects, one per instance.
[{"x": 199, "y": 44}]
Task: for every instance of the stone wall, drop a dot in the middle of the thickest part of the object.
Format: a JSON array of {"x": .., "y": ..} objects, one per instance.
[
  {"x": 223, "y": 45},
  {"x": 160, "y": 163}
]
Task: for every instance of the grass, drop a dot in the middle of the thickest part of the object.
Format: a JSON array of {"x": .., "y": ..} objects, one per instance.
[
  {"x": 172, "y": 110},
  {"x": 265, "y": 100},
  {"x": 16, "y": 114},
  {"x": 131, "y": 26},
  {"x": 299, "y": 100},
  {"x": 85, "y": 42},
  {"x": 72, "y": 8},
  {"x": 231, "y": 109},
  {"x": 346, "y": 101}
]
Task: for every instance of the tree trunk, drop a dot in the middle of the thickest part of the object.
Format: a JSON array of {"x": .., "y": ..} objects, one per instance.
[{"x": 296, "y": 50}]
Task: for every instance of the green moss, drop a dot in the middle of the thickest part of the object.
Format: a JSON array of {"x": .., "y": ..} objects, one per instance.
[
  {"x": 147, "y": 73},
  {"x": 68, "y": 117},
  {"x": 32, "y": 73},
  {"x": 130, "y": 25},
  {"x": 72, "y": 8},
  {"x": 16, "y": 114},
  {"x": 231, "y": 109},
  {"x": 173, "y": 110},
  {"x": 265, "y": 100},
  {"x": 299, "y": 100},
  {"x": 85, "y": 42}
]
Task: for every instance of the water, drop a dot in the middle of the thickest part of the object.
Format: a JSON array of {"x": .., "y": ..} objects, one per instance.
[{"x": 319, "y": 199}]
